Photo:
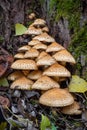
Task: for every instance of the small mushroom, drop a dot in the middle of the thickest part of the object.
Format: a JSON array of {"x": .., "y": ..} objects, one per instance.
[
  {"x": 56, "y": 97},
  {"x": 45, "y": 29},
  {"x": 40, "y": 46},
  {"x": 19, "y": 55},
  {"x": 57, "y": 70},
  {"x": 34, "y": 75},
  {"x": 24, "y": 48},
  {"x": 32, "y": 53},
  {"x": 31, "y": 16},
  {"x": 24, "y": 64},
  {"x": 45, "y": 83},
  {"x": 15, "y": 75},
  {"x": 39, "y": 22},
  {"x": 41, "y": 55},
  {"x": 33, "y": 42}
]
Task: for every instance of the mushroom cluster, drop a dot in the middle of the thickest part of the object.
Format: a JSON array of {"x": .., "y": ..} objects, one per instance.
[{"x": 41, "y": 65}]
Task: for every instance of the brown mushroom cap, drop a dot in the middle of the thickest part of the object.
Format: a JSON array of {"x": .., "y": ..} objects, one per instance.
[
  {"x": 72, "y": 109},
  {"x": 39, "y": 22},
  {"x": 15, "y": 75},
  {"x": 41, "y": 55},
  {"x": 45, "y": 29},
  {"x": 19, "y": 55},
  {"x": 46, "y": 60},
  {"x": 32, "y": 53},
  {"x": 24, "y": 64},
  {"x": 31, "y": 16},
  {"x": 45, "y": 83},
  {"x": 24, "y": 48},
  {"x": 53, "y": 47},
  {"x": 33, "y": 31},
  {"x": 44, "y": 37},
  {"x": 65, "y": 56},
  {"x": 34, "y": 75},
  {"x": 25, "y": 72},
  {"x": 22, "y": 83},
  {"x": 57, "y": 70},
  {"x": 33, "y": 42},
  {"x": 40, "y": 46},
  {"x": 56, "y": 97}
]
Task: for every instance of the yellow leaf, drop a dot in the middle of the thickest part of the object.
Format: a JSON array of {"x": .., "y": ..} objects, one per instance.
[{"x": 77, "y": 84}]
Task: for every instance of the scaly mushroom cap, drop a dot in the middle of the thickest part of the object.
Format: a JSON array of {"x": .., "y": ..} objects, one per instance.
[
  {"x": 53, "y": 47},
  {"x": 24, "y": 64},
  {"x": 32, "y": 53},
  {"x": 34, "y": 75},
  {"x": 33, "y": 42},
  {"x": 24, "y": 48},
  {"x": 22, "y": 83},
  {"x": 39, "y": 22},
  {"x": 57, "y": 70},
  {"x": 45, "y": 83},
  {"x": 15, "y": 75},
  {"x": 64, "y": 56},
  {"x": 33, "y": 31},
  {"x": 44, "y": 37},
  {"x": 19, "y": 55},
  {"x": 31, "y": 16},
  {"x": 45, "y": 29},
  {"x": 56, "y": 97},
  {"x": 40, "y": 46},
  {"x": 46, "y": 60},
  {"x": 41, "y": 55},
  {"x": 72, "y": 109}
]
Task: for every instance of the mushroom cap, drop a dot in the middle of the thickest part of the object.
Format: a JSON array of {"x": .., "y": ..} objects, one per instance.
[
  {"x": 40, "y": 22},
  {"x": 40, "y": 46},
  {"x": 33, "y": 31},
  {"x": 22, "y": 83},
  {"x": 41, "y": 55},
  {"x": 15, "y": 75},
  {"x": 25, "y": 72},
  {"x": 56, "y": 97},
  {"x": 57, "y": 70},
  {"x": 45, "y": 83},
  {"x": 45, "y": 29},
  {"x": 53, "y": 47},
  {"x": 31, "y": 53},
  {"x": 19, "y": 55},
  {"x": 24, "y": 48},
  {"x": 64, "y": 55},
  {"x": 31, "y": 16},
  {"x": 24, "y": 64},
  {"x": 33, "y": 42},
  {"x": 46, "y": 60},
  {"x": 44, "y": 37},
  {"x": 34, "y": 75},
  {"x": 72, "y": 109}
]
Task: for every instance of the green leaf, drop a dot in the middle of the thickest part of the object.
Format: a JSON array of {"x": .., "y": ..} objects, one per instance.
[
  {"x": 77, "y": 84},
  {"x": 45, "y": 122},
  {"x": 4, "y": 82},
  {"x": 3, "y": 125},
  {"x": 20, "y": 29},
  {"x": 53, "y": 127}
]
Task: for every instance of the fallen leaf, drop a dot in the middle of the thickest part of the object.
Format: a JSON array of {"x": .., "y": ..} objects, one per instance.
[{"x": 4, "y": 82}]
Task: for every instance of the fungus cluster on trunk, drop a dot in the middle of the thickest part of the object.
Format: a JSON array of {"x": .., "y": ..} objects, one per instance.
[{"x": 41, "y": 65}]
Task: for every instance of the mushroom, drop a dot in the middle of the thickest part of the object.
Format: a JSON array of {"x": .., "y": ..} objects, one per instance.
[
  {"x": 39, "y": 22},
  {"x": 41, "y": 55},
  {"x": 22, "y": 83},
  {"x": 15, "y": 75},
  {"x": 45, "y": 29},
  {"x": 19, "y": 55},
  {"x": 33, "y": 42},
  {"x": 54, "y": 46},
  {"x": 73, "y": 109},
  {"x": 40, "y": 46},
  {"x": 45, "y": 83},
  {"x": 24, "y": 48},
  {"x": 24, "y": 64},
  {"x": 31, "y": 16},
  {"x": 44, "y": 37},
  {"x": 34, "y": 75},
  {"x": 56, "y": 97},
  {"x": 57, "y": 70},
  {"x": 64, "y": 56},
  {"x": 32, "y": 53}
]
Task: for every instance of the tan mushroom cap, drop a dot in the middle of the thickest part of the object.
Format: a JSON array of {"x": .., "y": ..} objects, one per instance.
[
  {"x": 45, "y": 83},
  {"x": 41, "y": 55},
  {"x": 45, "y": 29},
  {"x": 15, "y": 75},
  {"x": 19, "y": 55},
  {"x": 56, "y": 97},
  {"x": 24, "y": 64},
  {"x": 44, "y": 37},
  {"x": 53, "y": 47},
  {"x": 40, "y": 46},
  {"x": 46, "y": 60},
  {"x": 57, "y": 70},
  {"x": 65, "y": 56},
  {"x": 25, "y": 72},
  {"x": 31, "y": 16},
  {"x": 72, "y": 109},
  {"x": 39, "y": 22},
  {"x": 34, "y": 75},
  {"x": 33, "y": 31},
  {"x": 32, "y": 53},
  {"x": 24, "y": 48},
  {"x": 33, "y": 42},
  {"x": 22, "y": 83}
]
